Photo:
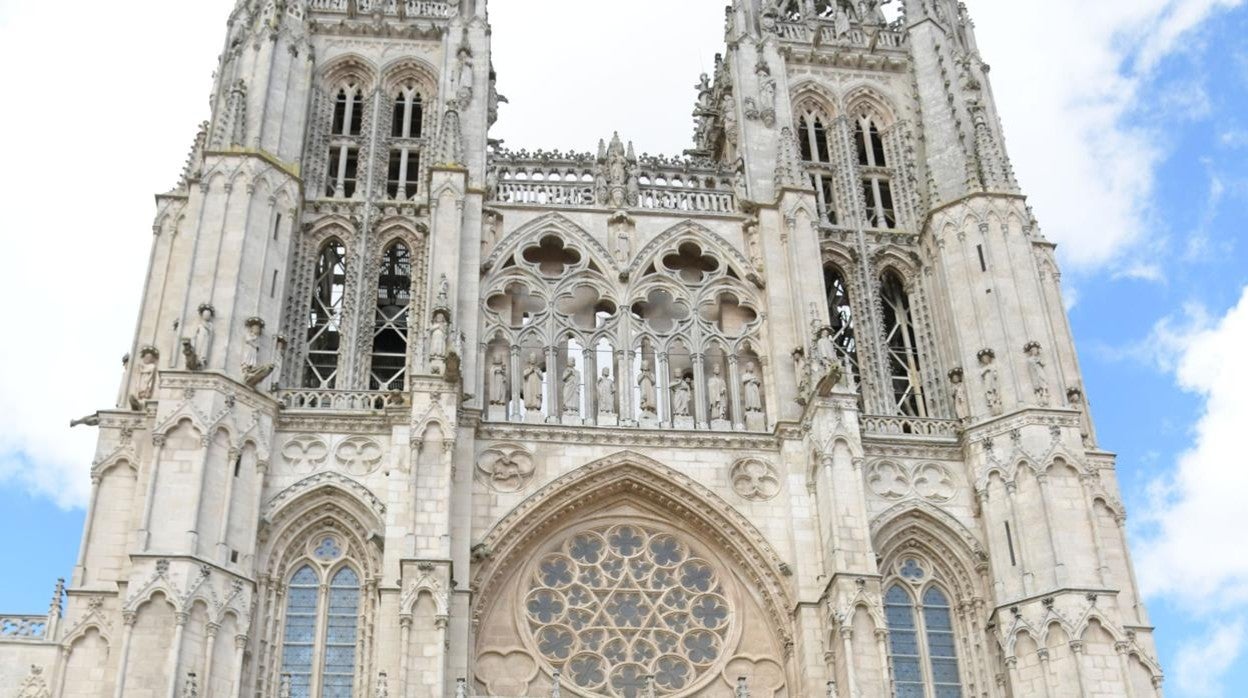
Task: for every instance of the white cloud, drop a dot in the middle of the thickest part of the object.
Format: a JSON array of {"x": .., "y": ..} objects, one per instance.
[
  {"x": 1203, "y": 661},
  {"x": 1191, "y": 549},
  {"x": 1067, "y": 86}
]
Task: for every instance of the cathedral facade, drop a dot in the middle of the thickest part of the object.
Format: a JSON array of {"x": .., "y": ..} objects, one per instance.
[{"x": 795, "y": 413}]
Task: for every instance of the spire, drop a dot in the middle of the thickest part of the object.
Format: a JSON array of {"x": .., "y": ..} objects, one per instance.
[
  {"x": 450, "y": 140},
  {"x": 788, "y": 162}
]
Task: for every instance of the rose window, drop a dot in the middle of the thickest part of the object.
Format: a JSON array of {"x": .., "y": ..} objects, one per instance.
[{"x": 615, "y": 606}]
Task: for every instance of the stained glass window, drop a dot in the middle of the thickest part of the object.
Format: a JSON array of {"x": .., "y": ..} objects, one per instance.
[
  {"x": 612, "y": 607},
  {"x": 300, "y": 640},
  {"x": 938, "y": 650},
  {"x": 941, "y": 648},
  {"x": 904, "y": 643},
  {"x": 342, "y": 623}
]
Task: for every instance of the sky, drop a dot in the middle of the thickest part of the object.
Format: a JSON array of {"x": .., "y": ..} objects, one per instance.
[{"x": 1127, "y": 123}]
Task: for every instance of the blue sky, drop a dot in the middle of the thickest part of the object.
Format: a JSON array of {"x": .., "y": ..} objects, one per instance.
[{"x": 1127, "y": 121}]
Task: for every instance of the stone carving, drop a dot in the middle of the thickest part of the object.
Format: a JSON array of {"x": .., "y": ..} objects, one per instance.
[
  {"x": 682, "y": 395},
  {"x": 305, "y": 453},
  {"x": 1074, "y": 396},
  {"x": 279, "y": 361},
  {"x": 506, "y": 672},
  {"x": 505, "y": 468},
  {"x": 870, "y": 12},
  {"x": 498, "y": 383},
  {"x": 606, "y": 393},
  {"x": 930, "y": 481},
  {"x": 616, "y": 178},
  {"x": 254, "y": 372},
  {"x": 197, "y": 349},
  {"x": 600, "y": 605},
  {"x": 991, "y": 380},
  {"x": 961, "y": 403},
  {"x": 753, "y": 676},
  {"x": 766, "y": 94},
  {"x": 438, "y": 347},
  {"x": 359, "y": 455},
  {"x": 190, "y": 687},
  {"x": 464, "y": 72},
  {"x": 752, "y": 386},
  {"x": 1036, "y": 371},
  {"x": 647, "y": 386},
  {"x": 34, "y": 685},
  {"x": 532, "y": 384},
  {"x": 382, "y": 690},
  {"x": 755, "y": 480},
  {"x": 717, "y": 395},
  {"x": 450, "y": 140},
  {"x": 789, "y": 172},
  {"x": 622, "y": 232},
  {"x": 145, "y": 383},
  {"x": 571, "y": 382}
]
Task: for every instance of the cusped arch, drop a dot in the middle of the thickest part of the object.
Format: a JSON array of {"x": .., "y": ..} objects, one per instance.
[
  {"x": 409, "y": 68},
  {"x": 536, "y": 229},
  {"x": 349, "y": 66},
  {"x": 864, "y": 100},
  {"x": 690, "y": 231},
  {"x": 810, "y": 95},
  {"x": 947, "y": 543},
  {"x": 644, "y": 482},
  {"x": 328, "y": 485}
]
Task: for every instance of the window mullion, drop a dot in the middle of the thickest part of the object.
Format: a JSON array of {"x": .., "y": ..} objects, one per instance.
[
  {"x": 322, "y": 625},
  {"x": 925, "y": 653}
]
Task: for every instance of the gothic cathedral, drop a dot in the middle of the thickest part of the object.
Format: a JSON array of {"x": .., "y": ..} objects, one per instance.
[{"x": 796, "y": 413}]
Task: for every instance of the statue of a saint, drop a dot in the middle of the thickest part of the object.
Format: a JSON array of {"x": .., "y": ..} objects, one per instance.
[
  {"x": 437, "y": 337},
  {"x": 682, "y": 394},
  {"x": 145, "y": 383},
  {"x": 532, "y": 385},
  {"x": 646, "y": 386},
  {"x": 464, "y": 76},
  {"x": 571, "y": 381},
  {"x": 992, "y": 381},
  {"x": 606, "y": 392},
  {"x": 201, "y": 341},
  {"x": 498, "y": 382},
  {"x": 253, "y": 371},
  {"x": 1039, "y": 378},
  {"x": 717, "y": 394},
  {"x": 961, "y": 403},
  {"x": 753, "y": 388}
]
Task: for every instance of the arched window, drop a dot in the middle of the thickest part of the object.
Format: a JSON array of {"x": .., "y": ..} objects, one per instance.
[
  {"x": 904, "y": 368},
  {"x": 407, "y": 130},
  {"x": 390, "y": 326},
  {"x": 816, "y": 153},
  {"x": 877, "y": 188},
  {"x": 922, "y": 644},
  {"x": 325, "y": 316},
  {"x": 299, "y": 642},
  {"x": 322, "y": 620},
  {"x": 344, "y": 146},
  {"x": 841, "y": 312}
]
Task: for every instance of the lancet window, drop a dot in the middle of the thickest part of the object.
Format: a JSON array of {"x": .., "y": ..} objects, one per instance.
[
  {"x": 324, "y": 324},
  {"x": 675, "y": 346},
  {"x": 841, "y": 314},
  {"x": 407, "y": 141},
  {"x": 391, "y": 319},
  {"x": 876, "y": 180},
  {"x": 901, "y": 342},
  {"x": 814, "y": 145},
  {"x": 322, "y": 618},
  {"x": 922, "y": 641},
  {"x": 344, "y": 141}
]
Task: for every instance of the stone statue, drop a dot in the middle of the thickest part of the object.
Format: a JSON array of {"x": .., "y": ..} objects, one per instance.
[
  {"x": 498, "y": 382},
  {"x": 753, "y": 388},
  {"x": 279, "y": 360},
  {"x": 646, "y": 386},
  {"x": 682, "y": 394},
  {"x": 464, "y": 76},
  {"x": 1074, "y": 396},
  {"x": 1036, "y": 369},
  {"x": 717, "y": 394},
  {"x": 532, "y": 385},
  {"x": 437, "y": 337},
  {"x": 198, "y": 348},
  {"x": 571, "y": 380},
  {"x": 991, "y": 380},
  {"x": 444, "y": 293},
  {"x": 961, "y": 403},
  {"x": 802, "y": 371},
  {"x": 91, "y": 420},
  {"x": 739, "y": 185},
  {"x": 145, "y": 383},
  {"x": 606, "y": 392},
  {"x": 825, "y": 346},
  {"x": 254, "y": 372}
]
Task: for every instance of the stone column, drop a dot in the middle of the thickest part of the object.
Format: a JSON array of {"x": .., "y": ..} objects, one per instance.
[
  {"x": 735, "y": 393},
  {"x": 554, "y": 406},
  {"x": 196, "y": 499},
  {"x": 1016, "y": 533},
  {"x": 405, "y": 640},
  {"x": 1089, "y": 505},
  {"x": 80, "y": 570},
  {"x": 881, "y": 647},
  {"x": 145, "y": 536},
  {"x": 1076, "y": 651},
  {"x": 1124, "y": 666},
  {"x": 1055, "y": 540},
  {"x": 128, "y": 618},
  {"x": 847, "y": 649},
  {"x": 209, "y": 642},
  {"x": 515, "y": 405},
  {"x": 701, "y": 412},
  {"x": 223, "y": 548},
  {"x": 175, "y": 652},
  {"x": 1046, "y": 670},
  {"x": 240, "y": 649}
]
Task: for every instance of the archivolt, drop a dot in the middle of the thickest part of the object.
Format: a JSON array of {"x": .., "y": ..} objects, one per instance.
[{"x": 642, "y": 481}]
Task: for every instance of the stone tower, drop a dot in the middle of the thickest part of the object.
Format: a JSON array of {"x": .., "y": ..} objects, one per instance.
[{"x": 795, "y": 413}]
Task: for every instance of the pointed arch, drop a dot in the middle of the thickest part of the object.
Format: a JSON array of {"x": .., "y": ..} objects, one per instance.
[
  {"x": 644, "y": 481},
  {"x": 349, "y": 66},
  {"x": 542, "y": 226},
  {"x": 949, "y": 544},
  {"x": 333, "y": 485}
]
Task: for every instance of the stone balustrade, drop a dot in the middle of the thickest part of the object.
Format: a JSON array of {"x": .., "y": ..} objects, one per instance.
[
  {"x": 438, "y": 9},
  {"x": 23, "y": 628},
  {"x": 857, "y": 37},
  {"x": 875, "y": 425},
  {"x": 338, "y": 400},
  {"x": 572, "y": 180}
]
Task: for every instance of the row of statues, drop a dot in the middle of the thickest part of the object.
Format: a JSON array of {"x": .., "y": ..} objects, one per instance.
[
  {"x": 990, "y": 379},
  {"x": 681, "y": 390}
]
